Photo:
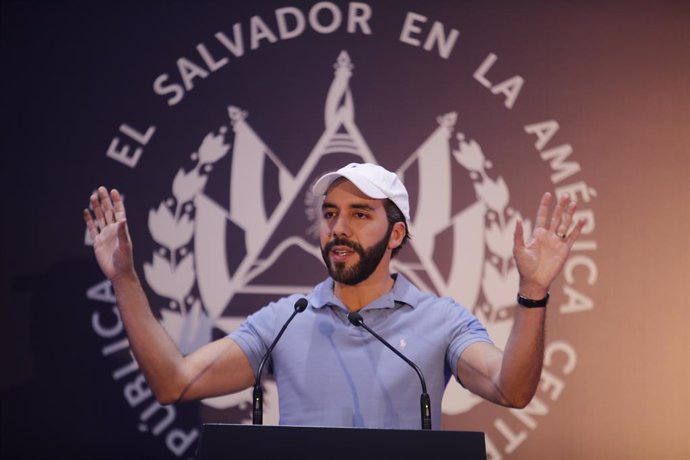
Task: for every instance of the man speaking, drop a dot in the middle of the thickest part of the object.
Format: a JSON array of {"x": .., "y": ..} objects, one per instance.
[{"x": 329, "y": 371}]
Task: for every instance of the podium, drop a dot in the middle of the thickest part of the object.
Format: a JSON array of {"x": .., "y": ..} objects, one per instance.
[{"x": 249, "y": 442}]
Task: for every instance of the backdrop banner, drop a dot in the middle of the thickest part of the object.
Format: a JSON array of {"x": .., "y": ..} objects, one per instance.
[{"x": 213, "y": 119}]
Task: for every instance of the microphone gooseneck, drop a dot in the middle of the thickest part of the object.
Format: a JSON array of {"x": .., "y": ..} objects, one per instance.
[
  {"x": 258, "y": 394},
  {"x": 425, "y": 401}
]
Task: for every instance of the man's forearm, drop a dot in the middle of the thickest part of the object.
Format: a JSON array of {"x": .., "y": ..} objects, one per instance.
[
  {"x": 155, "y": 352},
  {"x": 523, "y": 357}
]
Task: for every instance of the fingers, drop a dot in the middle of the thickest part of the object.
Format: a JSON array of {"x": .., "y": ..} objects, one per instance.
[
  {"x": 90, "y": 225},
  {"x": 566, "y": 220},
  {"x": 97, "y": 211},
  {"x": 518, "y": 236},
  {"x": 556, "y": 219},
  {"x": 107, "y": 205},
  {"x": 107, "y": 209},
  {"x": 561, "y": 219},
  {"x": 573, "y": 236},
  {"x": 122, "y": 233},
  {"x": 543, "y": 211},
  {"x": 118, "y": 204}
]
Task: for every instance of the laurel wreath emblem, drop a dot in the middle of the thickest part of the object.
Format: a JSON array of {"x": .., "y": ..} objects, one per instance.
[
  {"x": 500, "y": 275},
  {"x": 171, "y": 273}
]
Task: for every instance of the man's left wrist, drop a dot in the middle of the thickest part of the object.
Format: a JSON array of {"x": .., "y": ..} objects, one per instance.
[
  {"x": 532, "y": 290},
  {"x": 530, "y": 302}
]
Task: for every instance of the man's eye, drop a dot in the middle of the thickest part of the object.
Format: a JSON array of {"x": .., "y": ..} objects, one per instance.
[
  {"x": 328, "y": 214},
  {"x": 361, "y": 215}
]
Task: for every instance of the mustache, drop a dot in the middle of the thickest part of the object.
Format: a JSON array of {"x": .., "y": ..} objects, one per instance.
[{"x": 343, "y": 242}]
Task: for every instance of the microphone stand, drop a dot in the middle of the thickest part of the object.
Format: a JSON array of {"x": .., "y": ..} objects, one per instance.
[
  {"x": 258, "y": 394},
  {"x": 424, "y": 401}
]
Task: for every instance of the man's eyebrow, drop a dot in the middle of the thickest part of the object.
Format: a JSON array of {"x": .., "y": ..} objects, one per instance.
[{"x": 363, "y": 206}]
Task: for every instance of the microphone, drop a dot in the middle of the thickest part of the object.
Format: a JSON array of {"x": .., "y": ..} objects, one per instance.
[
  {"x": 258, "y": 397},
  {"x": 425, "y": 402}
]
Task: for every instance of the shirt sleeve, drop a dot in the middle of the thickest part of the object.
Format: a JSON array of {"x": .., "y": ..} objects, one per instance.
[
  {"x": 257, "y": 332},
  {"x": 252, "y": 335}
]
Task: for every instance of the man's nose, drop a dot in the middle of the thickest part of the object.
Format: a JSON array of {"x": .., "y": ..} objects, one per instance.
[{"x": 341, "y": 226}]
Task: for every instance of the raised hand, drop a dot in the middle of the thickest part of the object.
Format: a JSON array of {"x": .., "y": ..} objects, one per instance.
[
  {"x": 108, "y": 230},
  {"x": 540, "y": 259}
]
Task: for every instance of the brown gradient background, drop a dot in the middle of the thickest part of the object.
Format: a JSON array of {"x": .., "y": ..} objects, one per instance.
[
  {"x": 616, "y": 76},
  {"x": 629, "y": 396}
]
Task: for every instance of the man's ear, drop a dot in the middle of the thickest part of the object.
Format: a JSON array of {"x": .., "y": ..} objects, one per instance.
[{"x": 397, "y": 235}]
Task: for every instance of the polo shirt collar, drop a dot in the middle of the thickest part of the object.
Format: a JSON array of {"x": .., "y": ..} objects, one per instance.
[{"x": 403, "y": 292}]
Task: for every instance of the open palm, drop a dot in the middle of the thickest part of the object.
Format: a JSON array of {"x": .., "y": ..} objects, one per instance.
[
  {"x": 540, "y": 259},
  {"x": 108, "y": 230}
]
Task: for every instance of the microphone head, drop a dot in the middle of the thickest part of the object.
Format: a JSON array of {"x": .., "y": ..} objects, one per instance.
[
  {"x": 355, "y": 318},
  {"x": 301, "y": 305}
]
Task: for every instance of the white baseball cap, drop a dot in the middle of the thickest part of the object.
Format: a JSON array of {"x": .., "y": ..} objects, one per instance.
[{"x": 373, "y": 180}]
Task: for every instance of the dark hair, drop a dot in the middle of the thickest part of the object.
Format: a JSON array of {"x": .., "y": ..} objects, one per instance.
[{"x": 394, "y": 214}]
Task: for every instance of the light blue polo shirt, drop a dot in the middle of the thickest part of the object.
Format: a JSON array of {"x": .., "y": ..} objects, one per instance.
[{"x": 331, "y": 373}]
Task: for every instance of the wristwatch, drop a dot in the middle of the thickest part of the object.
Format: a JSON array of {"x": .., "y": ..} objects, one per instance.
[{"x": 531, "y": 303}]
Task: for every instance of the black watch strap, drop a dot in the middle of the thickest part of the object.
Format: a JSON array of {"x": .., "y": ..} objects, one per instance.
[{"x": 531, "y": 303}]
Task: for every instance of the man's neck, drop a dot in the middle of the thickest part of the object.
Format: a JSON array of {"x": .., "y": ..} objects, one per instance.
[{"x": 362, "y": 294}]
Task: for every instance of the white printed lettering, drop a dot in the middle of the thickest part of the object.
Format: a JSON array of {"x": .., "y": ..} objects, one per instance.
[
  {"x": 122, "y": 155},
  {"x": 283, "y": 30},
  {"x": 236, "y": 45},
  {"x": 561, "y": 347},
  {"x": 492, "y": 452},
  {"x": 160, "y": 89},
  {"x": 535, "y": 407},
  {"x": 551, "y": 385},
  {"x": 578, "y": 189},
  {"x": 102, "y": 292},
  {"x": 336, "y": 17},
  {"x": 514, "y": 439},
  {"x": 258, "y": 30},
  {"x": 437, "y": 36},
  {"x": 167, "y": 419},
  {"x": 410, "y": 27},
  {"x": 577, "y": 301},
  {"x": 580, "y": 260},
  {"x": 544, "y": 132},
  {"x": 209, "y": 60},
  {"x": 510, "y": 88},
  {"x": 104, "y": 331},
  {"x": 359, "y": 15},
  {"x": 141, "y": 138},
  {"x": 557, "y": 156},
  {"x": 189, "y": 71},
  {"x": 136, "y": 391},
  {"x": 178, "y": 442}
]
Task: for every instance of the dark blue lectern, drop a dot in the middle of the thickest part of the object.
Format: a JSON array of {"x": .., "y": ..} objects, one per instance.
[{"x": 248, "y": 442}]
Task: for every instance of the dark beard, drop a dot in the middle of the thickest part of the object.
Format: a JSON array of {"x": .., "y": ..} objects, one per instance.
[{"x": 369, "y": 259}]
